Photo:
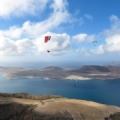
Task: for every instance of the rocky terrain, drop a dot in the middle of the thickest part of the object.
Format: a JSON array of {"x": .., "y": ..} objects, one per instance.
[
  {"x": 28, "y": 107},
  {"x": 83, "y": 73}
]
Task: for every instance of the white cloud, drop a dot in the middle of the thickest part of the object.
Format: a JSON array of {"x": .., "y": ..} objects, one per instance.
[
  {"x": 83, "y": 51},
  {"x": 28, "y": 37},
  {"x": 10, "y": 47},
  {"x": 113, "y": 43},
  {"x": 6, "y": 45},
  {"x": 111, "y": 39},
  {"x": 99, "y": 50},
  {"x": 34, "y": 29},
  {"x": 13, "y": 32},
  {"x": 83, "y": 37},
  {"x": 41, "y": 27},
  {"x": 24, "y": 46},
  {"x": 115, "y": 26},
  {"x": 114, "y": 20},
  {"x": 59, "y": 43},
  {"x": 21, "y": 7},
  {"x": 59, "y": 5}
]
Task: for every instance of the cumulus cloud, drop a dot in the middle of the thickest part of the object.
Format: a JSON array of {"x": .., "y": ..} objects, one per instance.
[
  {"x": 114, "y": 20},
  {"x": 113, "y": 43},
  {"x": 6, "y": 45},
  {"x": 83, "y": 37},
  {"x": 10, "y": 47},
  {"x": 59, "y": 43},
  {"x": 21, "y": 7},
  {"x": 24, "y": 46},
  {"x": 30, "y": 36},
  {"x": 41, "y": 27},
  {"x": 115, "y": 26},
  {"x": 83, "y": 51},
  {"x": 59, "y": 5},
  {"x": 13, "y": 32},
  {"x": 99, "y": 50},
  {"x": 111, "y": 39},
  {"x": 34, "y": 29}
]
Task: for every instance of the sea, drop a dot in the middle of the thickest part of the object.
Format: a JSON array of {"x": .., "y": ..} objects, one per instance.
[{"x": 102, "y": 91}]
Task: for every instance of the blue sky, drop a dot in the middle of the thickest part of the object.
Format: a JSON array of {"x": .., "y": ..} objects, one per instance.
[{"x": 72, "y": 25}]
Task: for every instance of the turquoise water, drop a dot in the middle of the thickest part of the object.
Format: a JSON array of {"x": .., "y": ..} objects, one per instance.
[{"x": 106, "y": 92}]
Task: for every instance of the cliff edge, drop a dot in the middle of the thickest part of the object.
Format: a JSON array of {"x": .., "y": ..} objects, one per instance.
[{"x": 29, "y": 107}]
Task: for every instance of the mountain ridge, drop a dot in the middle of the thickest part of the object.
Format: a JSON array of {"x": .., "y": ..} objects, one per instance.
[{"x": 54, "y": 72}]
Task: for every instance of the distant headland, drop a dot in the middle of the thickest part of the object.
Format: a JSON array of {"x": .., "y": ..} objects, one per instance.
[{"x": 86, "y": 72}]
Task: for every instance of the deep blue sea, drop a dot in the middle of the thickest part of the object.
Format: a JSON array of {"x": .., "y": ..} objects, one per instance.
[{"x": 102, "y": 91}]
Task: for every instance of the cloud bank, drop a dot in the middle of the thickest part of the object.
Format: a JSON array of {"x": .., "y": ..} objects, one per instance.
[
  {"x": 29, "y": 37},
  {"x": 21, "y": 7}
]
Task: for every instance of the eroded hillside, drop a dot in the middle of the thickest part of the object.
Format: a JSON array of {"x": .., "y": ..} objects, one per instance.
[{"x": 29, "y": 107}]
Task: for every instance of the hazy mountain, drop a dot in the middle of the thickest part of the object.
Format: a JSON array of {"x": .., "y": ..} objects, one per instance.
[
  {"x": 92, "y": 69},
  {"x": 54, "y": 72},
  {"x": 53, "y": 68}
]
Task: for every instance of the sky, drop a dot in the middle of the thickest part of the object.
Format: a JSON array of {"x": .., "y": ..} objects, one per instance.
[{"x": 72, "y": 25}]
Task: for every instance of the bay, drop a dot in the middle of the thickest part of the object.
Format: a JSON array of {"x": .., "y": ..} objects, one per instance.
[{"x": 102, "y": 91}]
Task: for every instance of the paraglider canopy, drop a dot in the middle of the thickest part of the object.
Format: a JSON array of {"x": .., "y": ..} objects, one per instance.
[
  {"x": 47, "y": 38},
  {"x": 94, "y": 42}
]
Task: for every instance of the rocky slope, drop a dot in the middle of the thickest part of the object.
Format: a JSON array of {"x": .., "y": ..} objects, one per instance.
[{"x": 29, "y": 107}]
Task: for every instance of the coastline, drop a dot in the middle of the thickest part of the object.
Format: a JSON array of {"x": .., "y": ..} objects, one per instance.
[{"x": 70, "y": 77}]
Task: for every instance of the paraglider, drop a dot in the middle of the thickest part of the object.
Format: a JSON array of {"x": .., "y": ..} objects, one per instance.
[
  {"x": 94, "y": 42},
  {"x": 47, "y": 38}
]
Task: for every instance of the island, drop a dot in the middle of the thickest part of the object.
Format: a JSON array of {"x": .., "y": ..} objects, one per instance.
[{"x": 87, "y": 72}]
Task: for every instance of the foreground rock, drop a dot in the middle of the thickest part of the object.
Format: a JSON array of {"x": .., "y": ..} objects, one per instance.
[
  {"x": 29, "y": 107},
  {"x": 115, "y": 116}
]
